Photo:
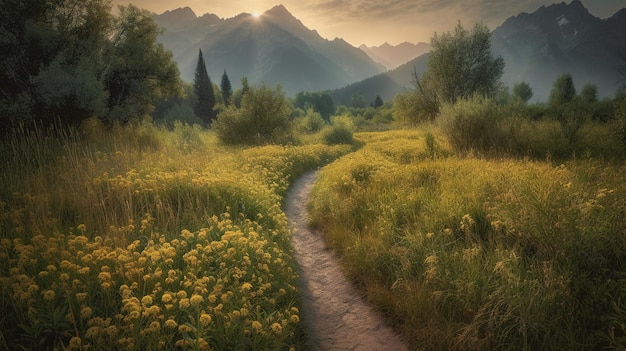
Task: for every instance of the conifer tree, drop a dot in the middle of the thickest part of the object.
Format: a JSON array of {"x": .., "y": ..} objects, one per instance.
[
  {"x": 204, "y": 92},
  {"x": 227, "y": 89}
]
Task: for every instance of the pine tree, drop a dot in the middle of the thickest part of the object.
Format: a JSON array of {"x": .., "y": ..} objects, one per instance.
[
  {"x": 204, "y": 92},
  {"x": 227, "y": 89}
]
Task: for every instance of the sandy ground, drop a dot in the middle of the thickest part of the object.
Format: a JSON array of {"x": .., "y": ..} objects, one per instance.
[{"x": 333, "y": 314}]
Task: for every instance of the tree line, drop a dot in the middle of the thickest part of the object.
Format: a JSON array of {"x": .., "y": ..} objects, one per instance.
[{"x": 70, "y": 60}]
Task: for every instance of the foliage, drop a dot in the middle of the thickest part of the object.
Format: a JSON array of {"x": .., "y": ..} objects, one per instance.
[
  {"x": 479, "y": 124},
  {"x": 321, "y": 102},
  {"x": 340, "y": 131},
  {"x": 589, "y": 93},
  {"x": 461, "y": 64},
  {"x": 203, "y": 88},
  {"x": 139, "y": 71},
  {"x": 419, "y": 105},
  {"x": 67, "y": 60},
  {"x": 563, "y": 90},
  {"x": 262, "y": 119},
  {"x": 226, "y": 88},
  {"x": 143, "y": 249},
  {"x": 522, "y": 91},
  {"x": 311, "y": 122},
  {"x": 471, "y": 254}
]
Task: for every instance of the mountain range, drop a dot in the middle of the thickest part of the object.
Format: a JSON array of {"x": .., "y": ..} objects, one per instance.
[{"x": 277, "y": 48}]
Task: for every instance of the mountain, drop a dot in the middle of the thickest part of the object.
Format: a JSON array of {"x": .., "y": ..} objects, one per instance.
[
  {"x": 275, "y": 48},
  {"x": 562, "y": 38},
  {"x": 537, "y": 48},
  {"x": 386, "y": 85},
  {"x": 393, "y": 56}
]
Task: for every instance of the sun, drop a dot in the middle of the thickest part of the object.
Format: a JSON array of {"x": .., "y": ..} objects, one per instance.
[{"x": 256, "y": 14}]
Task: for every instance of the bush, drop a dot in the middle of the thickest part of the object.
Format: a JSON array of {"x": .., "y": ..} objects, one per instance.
[
  {"x": 340, "y": 132},
  {"x": 475, "y": 125},
  {"x": 312, "y": 122},
  {"x": 262, "y": 119}
]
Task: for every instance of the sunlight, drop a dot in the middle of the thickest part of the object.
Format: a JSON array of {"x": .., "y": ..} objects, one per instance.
[{"x": 256, "y": 14}]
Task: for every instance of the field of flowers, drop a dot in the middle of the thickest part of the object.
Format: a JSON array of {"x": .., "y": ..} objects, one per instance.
[
  {"x": 480, "y": 254},
  {"x": 147, "y": 239}
]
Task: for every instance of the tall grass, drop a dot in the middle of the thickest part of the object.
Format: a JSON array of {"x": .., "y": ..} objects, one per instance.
[
  {"x": 465, "y": 253},
  {"x": 140, "y": 238}
]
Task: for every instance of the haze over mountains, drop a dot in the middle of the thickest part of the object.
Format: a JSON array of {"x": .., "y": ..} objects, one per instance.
[
  {"x": 274, "y": 47},
  {"x": 278, "y": 49}
]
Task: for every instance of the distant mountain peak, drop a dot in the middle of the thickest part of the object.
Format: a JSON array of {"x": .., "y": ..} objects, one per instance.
[
  {"x": 279, "y": 11},
  {"x": 181, "y": 12}
]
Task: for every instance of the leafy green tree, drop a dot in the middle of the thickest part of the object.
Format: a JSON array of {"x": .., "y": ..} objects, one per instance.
[
  {"x": 358, "y": 101},
  {"x": 589, "y": 93},
  {"x": 226, "y": 88},
  {"x": 140, "y": 71},
  {"x": 203, "y": 87},
  {"x": 262, "y": 119},
  {"x": 321, "y": 102},
  {"x": 418, "y": 105},
  {"x": 522, "y": 91},
  {"x": 563, "y": 90},
  {"x": 461, "y": 64},
  {"x": 566, "y": 108},
  {"x": 378, "y": 102},
  {"x": 52, "y": 59}
]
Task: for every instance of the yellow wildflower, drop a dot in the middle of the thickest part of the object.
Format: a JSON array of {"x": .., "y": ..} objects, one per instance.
[
  {"x": 75, "y": 343},
  {"x": 256, "y": 325},
  {"x": 277, "y": 328},
  {"x": 49, "y": 295},
  {"x": 146, "y": 300},
  {"x": 196, "y": 300},
  {"x": 85, "y": 312},
  {"x": 205, "y": 319},
  {"x": 171, "y": 324},
  {"x": 183, "y": 303}
]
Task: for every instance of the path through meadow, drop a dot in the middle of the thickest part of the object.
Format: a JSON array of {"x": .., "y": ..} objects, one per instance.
[{"x": 334, "y": 315}]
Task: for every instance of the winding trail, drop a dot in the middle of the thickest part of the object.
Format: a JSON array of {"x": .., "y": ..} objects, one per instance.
[{"x": 333, "y": 314}]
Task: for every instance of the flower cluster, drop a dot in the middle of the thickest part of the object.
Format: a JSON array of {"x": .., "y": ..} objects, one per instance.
[{"x": 224, "y": 279}]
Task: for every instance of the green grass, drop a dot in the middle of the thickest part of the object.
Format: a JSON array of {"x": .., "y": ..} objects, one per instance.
[
  {"x": 469, "y": 253},
  {"x": 140, "y": 238}
]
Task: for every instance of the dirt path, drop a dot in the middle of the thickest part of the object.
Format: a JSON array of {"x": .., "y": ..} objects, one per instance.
[{"x": 333, "y": 314}]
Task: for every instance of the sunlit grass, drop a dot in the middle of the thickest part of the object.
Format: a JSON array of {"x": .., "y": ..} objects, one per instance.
[
  {"x": 140, "y": 238},
  {"x": 468, "y": 253}
]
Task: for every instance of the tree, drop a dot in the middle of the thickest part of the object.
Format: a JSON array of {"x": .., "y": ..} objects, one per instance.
[
  {"x": 461, "y": 65},
  {"x": 226, "y": 88},
  {"x": 262, "y": 119},
  {"x": 522, "y": 91},
  {"x": 568, "y": 110},
  {"x": 358, "y": 101},
  {"x": 140, "y": 71},
  {"x": 563, "y": 90},
  {"x": 589, "y": 93},
  {"x": 54, "y": 48},
  {"x": 378, "y": 102},
  {"x": 321, "y": 102},
  {"x": 203, "y": 87},
  {"x": 419, "y": 105}
]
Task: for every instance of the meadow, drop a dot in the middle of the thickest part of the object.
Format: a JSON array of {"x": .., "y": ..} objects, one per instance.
[
  {"x": 143, "y": 238},
  {"x": 467, "y": 252}
]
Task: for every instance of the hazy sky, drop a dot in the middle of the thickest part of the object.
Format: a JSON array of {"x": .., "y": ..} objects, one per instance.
[{"x": 373, "y": 22}]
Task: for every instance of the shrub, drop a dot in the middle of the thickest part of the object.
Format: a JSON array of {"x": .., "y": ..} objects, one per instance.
[
  {"x": 340, "y": 132},
  {"x": 262, "y": 119},
  {"x": 474, "y": 125},
  {"x": 312, "y": 122}
]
